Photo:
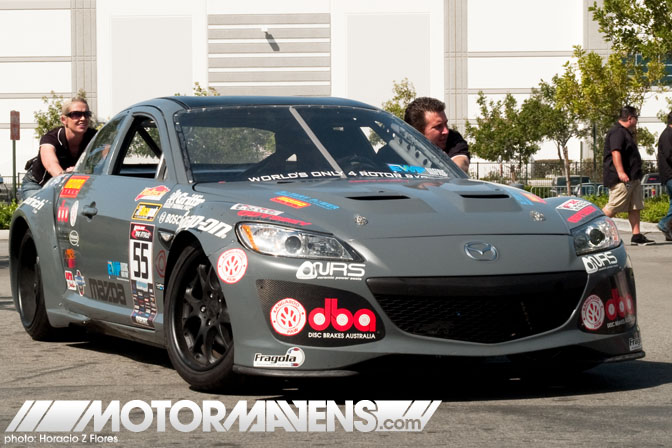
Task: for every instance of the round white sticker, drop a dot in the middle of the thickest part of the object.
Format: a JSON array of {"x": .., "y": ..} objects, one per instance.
[
  {"x": 288, "y": 317},
  {"x": 231, "y": 265},
  {"x": 592, "y": 313}
]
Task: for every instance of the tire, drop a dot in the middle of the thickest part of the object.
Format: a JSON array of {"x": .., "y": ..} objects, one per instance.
[
  {"x": 31, "y": 292},
  {"x": 199, "y": 337}
]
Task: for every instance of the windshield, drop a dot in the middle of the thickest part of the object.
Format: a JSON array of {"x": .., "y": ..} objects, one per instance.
[{"x": 279, "y": 143}]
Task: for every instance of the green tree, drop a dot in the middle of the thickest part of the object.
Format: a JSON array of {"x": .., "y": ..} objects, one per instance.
[
  {"x": 641, "y": 27},
  {"x": 595, "y": 89},
  {"x": 404, "y": 93},
  {"x": 503, "y": 132},
  {"x": 557, "y": 122},
  {"x": 643, "y": 30}
]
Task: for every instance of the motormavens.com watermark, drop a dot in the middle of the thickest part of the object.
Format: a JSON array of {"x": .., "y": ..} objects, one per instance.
[{"x": 84, "y": 419}]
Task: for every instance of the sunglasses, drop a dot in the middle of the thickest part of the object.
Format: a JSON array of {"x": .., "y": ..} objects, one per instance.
[{"x": 76, "y": 115}]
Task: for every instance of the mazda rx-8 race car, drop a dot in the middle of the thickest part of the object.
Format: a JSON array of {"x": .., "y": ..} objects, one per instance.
[{"x": 307, "y": 237}]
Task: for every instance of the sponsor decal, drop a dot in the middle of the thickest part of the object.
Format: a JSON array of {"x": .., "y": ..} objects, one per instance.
[
  {"x": 170, "y": 218},
  {"x": 146, "y": 211},
  {"x": 144, "y": 304},
  {"x": 209, "y": 225},
  {"x": 308, "y": 199},
  {"x": 414, "y": 171},
  {"x": 294, "y": 203},
  {"x": 620, "y": 310},
  {"x": 231, "y": 265},
  {"x": 140, "y": 252},
  {"x": 153, "y": 193},
  {"x": 254, "y": 208},
  {"x": 581, "y": 214},
  {"x": 69, "y": 257},
  {"x": 573, "y": 205},
  {"x": 117, "y": 269},
  {"x": 599, "y": 262},
  {"x": 520, "y": 198},
  {"x": 63, "y": 212},
  {"x": 181, "y": 200},
  {"x": 592, "y": 313},
  {"x": 319, "y": 316},
  {"x": 159, "y": 286},
  {"x": 276, "y": 177},
  {"x": 107, "y": 291},
  {"x": 73, "y": 237},
  {"x": 92, "y": 421},
  {"x": 275, "y": 218},
  {"x": 160, "y": 263},
  {"x": 635, "y": 343},
  {"x": 73, "y": 185},
  {"x": 35, "y": 203},
  {"x": 340, "y": 319},
  {"x": 533, "y": 197},
  {"x": 81, "y": 284},
  {"x": 293, "y": 358},
  {"x": 325, "y": 270},
  {"x": 73, "y": 213},
  {"x": 70, "y": 280},
  {"x": 288, "y": 317}
]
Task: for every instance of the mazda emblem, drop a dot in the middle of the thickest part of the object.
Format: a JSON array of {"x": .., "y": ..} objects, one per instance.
[{"x": 480, "y": 251}]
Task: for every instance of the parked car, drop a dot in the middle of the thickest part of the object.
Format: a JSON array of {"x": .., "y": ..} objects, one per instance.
[
  {"x": 311, "y": 237},
  {"x": 651, "y": 185},
  {"x": 559, "y": 183},
  {"x": 590, "y": 189}
]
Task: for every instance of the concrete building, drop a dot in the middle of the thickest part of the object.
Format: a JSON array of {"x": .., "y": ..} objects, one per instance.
[{"x": 124, "y": 51}]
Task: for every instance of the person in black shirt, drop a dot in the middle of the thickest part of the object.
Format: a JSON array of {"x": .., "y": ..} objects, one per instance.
[
  {"x": 665, "y": 170},
  {"x": 428, "y": 116},
  {"x": 623, "y": 173},
  {"x": 60, "y": 147}
]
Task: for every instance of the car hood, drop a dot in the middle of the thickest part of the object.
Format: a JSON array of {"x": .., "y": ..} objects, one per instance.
[{"x": 408, "y": 208}]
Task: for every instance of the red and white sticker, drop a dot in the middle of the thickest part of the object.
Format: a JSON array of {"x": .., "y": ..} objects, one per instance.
[
  {"x": 231, "y": 265},
  {"x": 592, "y": 313},
  {"x": 288, "y": 317},
  {"x": 573, "y": 204}
]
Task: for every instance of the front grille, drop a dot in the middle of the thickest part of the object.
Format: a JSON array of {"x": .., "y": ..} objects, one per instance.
[{"x": 484, "y": 309}]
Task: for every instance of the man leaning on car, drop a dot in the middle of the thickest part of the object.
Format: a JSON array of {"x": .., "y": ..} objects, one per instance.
[
  {"x": 665, "y": 170},
  {"x": 623, "y": 173}
]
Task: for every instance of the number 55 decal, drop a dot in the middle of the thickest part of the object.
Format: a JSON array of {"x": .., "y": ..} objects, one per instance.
[{"x": 140, "y": 252}]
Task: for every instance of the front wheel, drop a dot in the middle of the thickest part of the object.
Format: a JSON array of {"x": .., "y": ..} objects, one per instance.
[
  {"x": 199, "y": 337},
  {"x": 30, "y": 291}
]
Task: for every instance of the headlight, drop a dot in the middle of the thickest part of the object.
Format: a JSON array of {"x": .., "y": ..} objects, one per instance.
[
  {"x": 599, "y": 234},
  {"x": 270, "y": 239}
]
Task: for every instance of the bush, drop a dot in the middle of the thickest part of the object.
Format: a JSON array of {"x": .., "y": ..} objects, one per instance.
[
  {"x": 6, "y": 211},
  {"x": 654, "y": 208}
]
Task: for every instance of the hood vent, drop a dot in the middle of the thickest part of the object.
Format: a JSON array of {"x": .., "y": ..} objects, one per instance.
[
  {"x": 377, "y": 198},
  {"x": 485, "y": 196}
]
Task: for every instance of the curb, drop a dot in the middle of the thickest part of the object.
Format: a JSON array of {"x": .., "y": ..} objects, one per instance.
[
  {"x": 4, "y": 234},
  {"x": 623, "y": 225}
]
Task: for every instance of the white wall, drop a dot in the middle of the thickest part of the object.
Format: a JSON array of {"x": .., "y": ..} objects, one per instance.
[
  {"x": 378, "y": 42},
  {"x": 147, "y": 49}
]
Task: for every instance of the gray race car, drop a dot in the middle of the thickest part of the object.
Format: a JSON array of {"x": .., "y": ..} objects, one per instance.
[{"x": 309, "y": 237}]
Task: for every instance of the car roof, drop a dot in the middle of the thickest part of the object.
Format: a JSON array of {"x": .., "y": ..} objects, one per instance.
[{"x": 190, "y": 102}]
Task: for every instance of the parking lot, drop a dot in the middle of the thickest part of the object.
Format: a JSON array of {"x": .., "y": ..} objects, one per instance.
[{"x": 625, "y": 404}]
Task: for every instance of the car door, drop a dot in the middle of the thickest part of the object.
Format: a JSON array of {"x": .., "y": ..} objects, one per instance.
[{"x": 116, "y": 229}]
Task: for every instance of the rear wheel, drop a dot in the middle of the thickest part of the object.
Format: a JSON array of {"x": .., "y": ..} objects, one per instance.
[
  {"x": 31, "y": 293},
  {"x": 198, "y": 326}
]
